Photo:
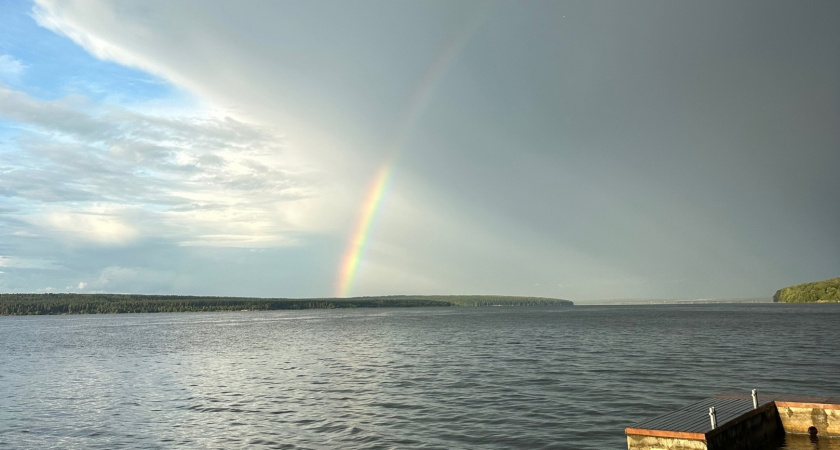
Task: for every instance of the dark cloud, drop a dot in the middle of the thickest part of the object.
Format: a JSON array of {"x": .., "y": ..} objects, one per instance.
[{"x": 584, "y": 150}]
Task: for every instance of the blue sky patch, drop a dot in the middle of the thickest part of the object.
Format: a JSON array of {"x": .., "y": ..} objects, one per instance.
[{"x": 54, "y": 66}]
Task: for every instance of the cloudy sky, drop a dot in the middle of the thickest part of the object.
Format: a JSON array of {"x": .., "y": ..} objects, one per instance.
[{"x": 580, "y": 149}]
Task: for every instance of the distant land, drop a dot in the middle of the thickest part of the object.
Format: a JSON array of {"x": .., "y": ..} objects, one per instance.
[
  {"x": 817, "y": 292},
  {"x": 46, "y": 304},
  {"x": 671, "y": 301}
]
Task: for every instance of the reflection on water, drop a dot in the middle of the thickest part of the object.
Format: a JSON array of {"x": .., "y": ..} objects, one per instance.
[
  {"x": 805, "y": 442},
  {"x": 396, "y": 378}
]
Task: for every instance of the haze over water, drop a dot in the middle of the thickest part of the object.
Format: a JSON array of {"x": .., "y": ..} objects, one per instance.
[{"x": 395, "y": 378}]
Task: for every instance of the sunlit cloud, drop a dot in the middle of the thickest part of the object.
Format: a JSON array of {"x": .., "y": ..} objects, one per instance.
[
  {"x": 109, "y": 175},
  {"x": 101, "y": 227}
]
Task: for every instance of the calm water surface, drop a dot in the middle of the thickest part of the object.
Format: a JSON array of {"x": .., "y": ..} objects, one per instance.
[{"x": 396, "y": 378}]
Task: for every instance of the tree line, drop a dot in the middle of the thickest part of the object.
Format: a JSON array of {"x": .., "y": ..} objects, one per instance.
[
  {"x": 818, "y": 291},
  {"x": 58, "y": 303}
]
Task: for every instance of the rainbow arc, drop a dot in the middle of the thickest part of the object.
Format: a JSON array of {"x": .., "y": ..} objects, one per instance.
[{"x": 376, "y": 193}]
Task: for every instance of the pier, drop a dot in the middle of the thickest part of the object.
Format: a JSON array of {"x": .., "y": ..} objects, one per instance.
[{"x": 738, "y": 422}]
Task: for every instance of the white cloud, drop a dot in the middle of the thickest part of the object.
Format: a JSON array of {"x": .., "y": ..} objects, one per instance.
[
  {"x": 109, "y": 175},
  {"x": 100, "y": 228},
  {"x": 81, "y": 285},
  {"x": 10, "y": 68},
  {"x": 233, "y": 240},
  {"x": 281, "y": 83},
  {"x": 55, "y": 17}
]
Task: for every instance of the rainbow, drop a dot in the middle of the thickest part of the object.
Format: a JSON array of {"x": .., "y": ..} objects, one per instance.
[
  {"x": 419, "y": 99},
  {"x": 353, "y": 255}
]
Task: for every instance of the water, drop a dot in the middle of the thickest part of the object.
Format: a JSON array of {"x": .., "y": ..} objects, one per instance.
[{"x": 396, "y": 378}]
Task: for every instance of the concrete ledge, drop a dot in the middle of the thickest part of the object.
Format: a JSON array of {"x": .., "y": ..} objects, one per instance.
[
  {"x": 664, "y": 443},
  {"x": 799, "y": 418}
]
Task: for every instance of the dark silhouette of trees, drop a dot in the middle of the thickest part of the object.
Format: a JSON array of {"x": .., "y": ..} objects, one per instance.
[{"x": 39, "y": 304}]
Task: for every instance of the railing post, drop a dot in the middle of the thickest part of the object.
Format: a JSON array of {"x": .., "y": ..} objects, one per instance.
[
  {"x": 712, "y": 416},
  {"x": 755, "y": 399}
]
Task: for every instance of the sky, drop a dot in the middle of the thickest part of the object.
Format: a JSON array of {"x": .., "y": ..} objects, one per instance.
[{"x": 571, "y": 149}]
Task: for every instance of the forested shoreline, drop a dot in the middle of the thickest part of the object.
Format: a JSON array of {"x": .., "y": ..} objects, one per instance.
[
  {"x": 56, "y": 303},
  {"x": 816, "y": 292}
]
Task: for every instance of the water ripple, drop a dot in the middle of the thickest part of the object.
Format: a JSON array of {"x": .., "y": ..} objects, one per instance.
[{"x": 401, "y": 378}]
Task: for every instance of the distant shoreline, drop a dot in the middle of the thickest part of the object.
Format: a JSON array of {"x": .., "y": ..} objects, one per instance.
[
  {"x": 699, "y": 301},
  {"x": 61, "y": 304}
]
